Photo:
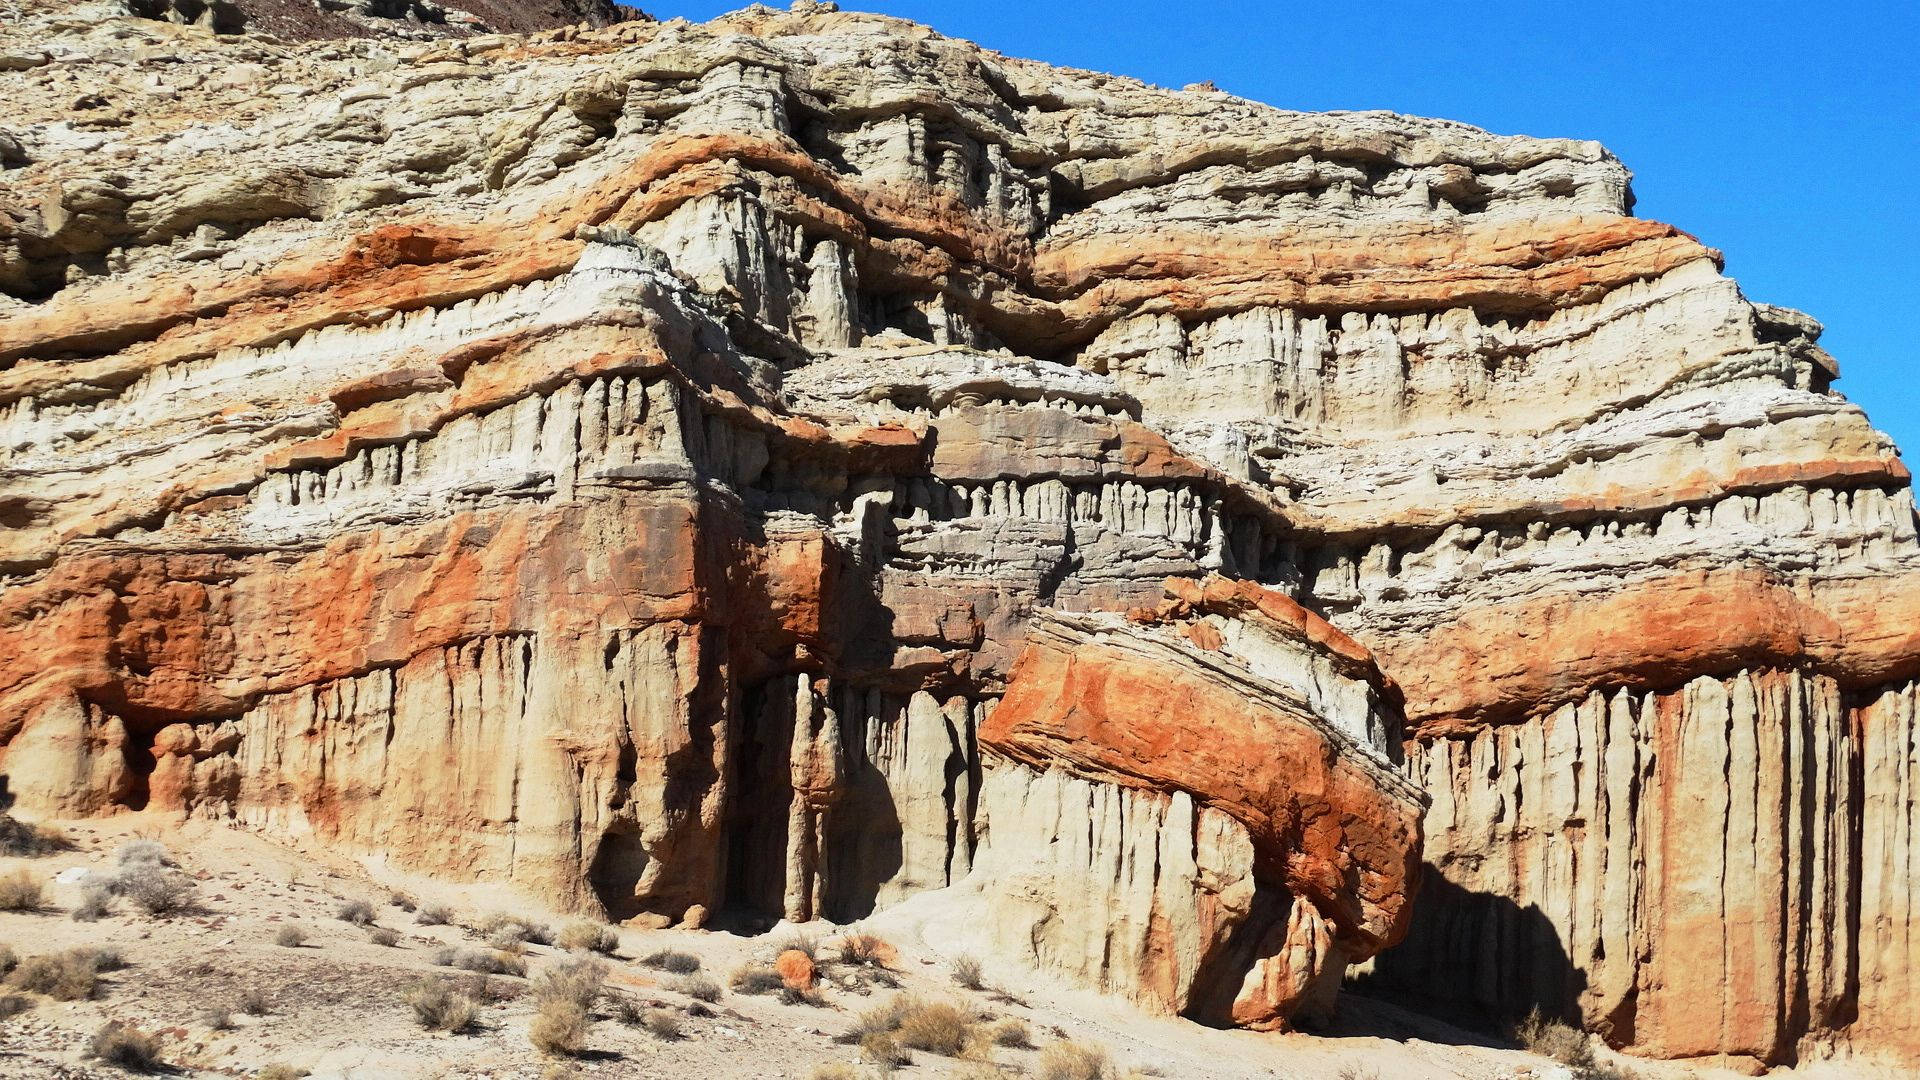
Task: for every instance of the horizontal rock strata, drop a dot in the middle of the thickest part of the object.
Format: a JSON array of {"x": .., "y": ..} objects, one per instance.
[{"x": 778, "y": 467}]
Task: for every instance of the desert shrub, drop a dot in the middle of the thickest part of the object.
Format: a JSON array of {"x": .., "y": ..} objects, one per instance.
[
  {"x": 499, "y": 927},
  {"x": 1011, "y": 1032},
  {"x": 885, "y": 1051},
  {"x": 433, "y": 915},
  {"x": 21, "y": 891},
  {"x": 126, "y": 1046},
  {"x": 678, "y": 963},
  {"x": 8, "y": 959},
  {"x": 579, "y": 980},
  {"x": 1356, "y": 1072},
  {"x": 757, "y": 980},
  {"x": 936, "y": 1027},
  {"x": 142, "y": 852},
  {"x": 794, "y": 995},
  {"x": 69, "y": 976},
  {"x": 95, "y": 902},
  {"x": 1552, "y": 1038},
  {"x": 254, "y": 1001},
  {"x": 834, "y": 1071},
  {"x": 559, "y": 1028},
  {"x": 217, "y": 1019},
  {"x": 799, "y": 941},
  {"x": 559, "y": 1070},
  {"x": 480, "y": 960},
  {"x": 13, "y": 1005},
  {"x": 698, "y": 987},
  {"x": 584, "y": 936},
  {"x": 290, "y": 936},
  {"x": 154, "y": 889},
  {"x": 439, "y": 1007},
  {"x": 380, "y": 935},
  {"x": 484, "y": 989},
  {"x": 625, "y": 1010},
  {"x": 25, "y": 839},
  {"x": 882, "y": 1019},
  {"x": 103, "y": 958},
  {"x": 864, "y": 950},
  {"x": 664, "y": 1024},
  {"x": 1071, "y": 1061},
  {"x": 357, "y": 912},
  {"x": 402, "y": 901},
  {"x": 966, "y": 972},
  {"x": 280, "y": 1072}
]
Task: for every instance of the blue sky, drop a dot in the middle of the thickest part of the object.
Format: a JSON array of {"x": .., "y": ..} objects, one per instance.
[{"x": 1785, "y": 134}]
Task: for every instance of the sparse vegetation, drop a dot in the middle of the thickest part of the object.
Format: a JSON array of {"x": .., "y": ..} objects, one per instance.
[
  {"x": 68, "y": 976},
  {"x": 698, "y": 987},
  {"x": 799, "y": 941},
  {"x": 433, "y": 915},
  {"x": 559, "y": 1028},
  {"x": 126, "y": 1046},
  {"x": 357, "y": 912},
  {"x": 21, "y": 891},
  {"x": 380, "y": 935},
  {"x": 1552, "y": 1038},
  {"x": 757, "y": 979},
  {"x": 1356, "y": 1072},
  {"x": 834, "y": 1071},
  {"x": 664, "y": 1024},
  {"x": 584, "y": 936},
  {"x": 499, "y": 927},
  {"x": 884, "y": 1051},
  {"x": 625, "y": 1010},
  {"x": 677, "y": 963},
  {"x": 865, "y": 950},
  {"x": 936, "y": 1027},
  {"x": 142, "y": 851},
  {"x": 96, "y": 901},
  {"x": 14, "y": 1004},
  {"x": 579, "y": 980},
  {"x": 280, "y": 1072},
  {"x": 481, "y": 960},
  {"x": 966, "y": 972},
  {"x": 154, "y": 889},
  {"x": 793, "y": 995},
  {"x": 27, "y": 840},
  {"x": 402, "y": 901},
  {"x": 8, "y": 959},
  {"x": 1066, "y": 1060},
  {"x": 439, "y": 1007},
  {"x": 217, "y": 1019},
  {"x": 254, "y": 1002},
  {"x": 1011, "y": 1032},
  {"x": 290, "y": 936}
]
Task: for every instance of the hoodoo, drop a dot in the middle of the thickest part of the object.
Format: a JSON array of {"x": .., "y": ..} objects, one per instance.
[{"x": 779, "y": 467}]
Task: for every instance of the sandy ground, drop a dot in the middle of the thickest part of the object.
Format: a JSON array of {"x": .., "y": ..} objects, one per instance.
[{"x": 336, "y": 1003}]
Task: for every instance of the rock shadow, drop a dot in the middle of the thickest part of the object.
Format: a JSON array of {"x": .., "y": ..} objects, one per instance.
[{"x": 1474, "y": 961}]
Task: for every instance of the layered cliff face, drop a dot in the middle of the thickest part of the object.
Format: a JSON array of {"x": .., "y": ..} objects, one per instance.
[{"x": 778, "y": 467}]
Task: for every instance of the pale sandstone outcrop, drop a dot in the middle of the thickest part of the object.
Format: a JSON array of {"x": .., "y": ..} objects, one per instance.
[{"x": 641, "y": 463}]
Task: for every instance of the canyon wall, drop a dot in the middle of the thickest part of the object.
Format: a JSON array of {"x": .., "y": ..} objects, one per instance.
[{"x": 777, "y": 467}]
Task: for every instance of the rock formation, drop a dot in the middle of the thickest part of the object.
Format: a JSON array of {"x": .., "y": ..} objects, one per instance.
[{"x": 776, "y": 467}]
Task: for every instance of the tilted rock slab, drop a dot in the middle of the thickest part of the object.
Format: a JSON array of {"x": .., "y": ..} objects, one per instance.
[{"x": 652, "y": 465}]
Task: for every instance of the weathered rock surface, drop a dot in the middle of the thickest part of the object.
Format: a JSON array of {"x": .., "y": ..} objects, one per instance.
[{"x": 779, "y": 467}]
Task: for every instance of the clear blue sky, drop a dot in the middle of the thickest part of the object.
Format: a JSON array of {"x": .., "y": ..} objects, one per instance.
[{"x": 1785, "y": 134}]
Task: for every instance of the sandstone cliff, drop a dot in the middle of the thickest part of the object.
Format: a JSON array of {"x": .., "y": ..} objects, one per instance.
[{"x": 777, "y": 467}]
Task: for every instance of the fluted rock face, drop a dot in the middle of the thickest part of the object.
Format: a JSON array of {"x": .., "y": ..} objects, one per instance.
[{"x": 790, "y": 464}]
